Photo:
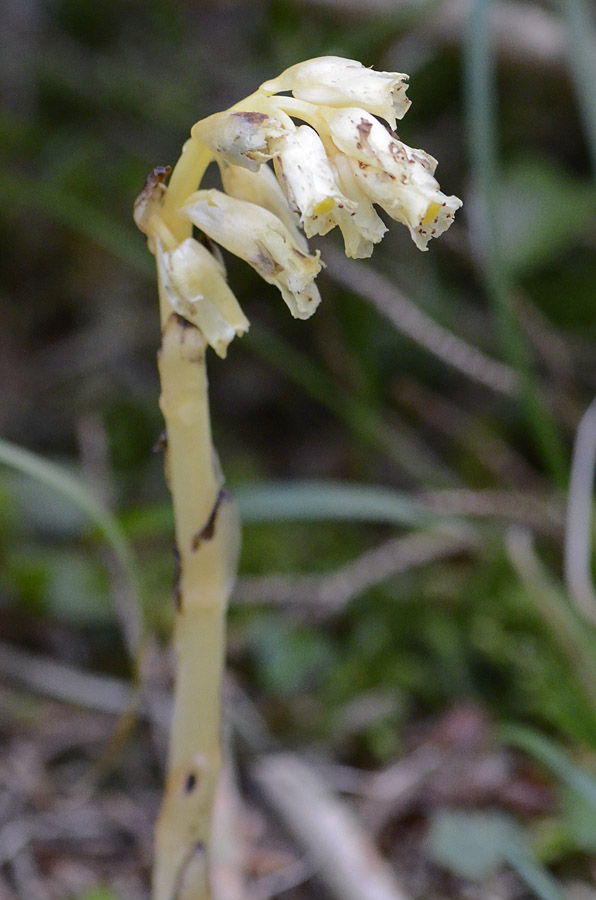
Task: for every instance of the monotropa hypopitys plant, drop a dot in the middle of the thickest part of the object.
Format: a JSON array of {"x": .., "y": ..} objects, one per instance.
[{"x": 308, "y": 151}]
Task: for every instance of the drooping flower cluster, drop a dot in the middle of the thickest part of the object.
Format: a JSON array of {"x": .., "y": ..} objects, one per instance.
[{"x": 291, "y": 166}]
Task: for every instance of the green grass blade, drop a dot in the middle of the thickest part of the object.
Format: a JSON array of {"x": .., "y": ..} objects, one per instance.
[
  {"x": 306, "y": 501},
  {"x": 537, "y": 878},
  {"x": 555, "y": 759},
  {"x": 122, "y": 241},
  {"x": 75, "y": 490},
  {"x": 327, "y": 500},
  {"x": 581, "y": 27},
  {"x": 481, "y": 112}
]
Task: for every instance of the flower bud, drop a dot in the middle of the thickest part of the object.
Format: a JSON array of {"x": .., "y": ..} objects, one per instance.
[
  {"x": 150, "y": 200},
  {"x": 334, "y": 81},
  {"x": 194, "y": 284},
  {"x": 262, "y": 240},
  {"x": 241, "y": 138}
]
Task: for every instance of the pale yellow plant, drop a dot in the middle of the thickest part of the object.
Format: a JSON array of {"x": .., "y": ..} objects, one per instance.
[{"x": 331, "y": 169}]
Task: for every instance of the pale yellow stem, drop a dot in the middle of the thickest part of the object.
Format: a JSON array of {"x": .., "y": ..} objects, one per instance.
[
  {"x": 185, "y": 178},
  {"x": 207, "y": 539}
]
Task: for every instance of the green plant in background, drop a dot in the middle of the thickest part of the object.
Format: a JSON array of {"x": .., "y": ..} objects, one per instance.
[
  {"x": 330, "y": 171},
  {"x": 470, "y": 626}
]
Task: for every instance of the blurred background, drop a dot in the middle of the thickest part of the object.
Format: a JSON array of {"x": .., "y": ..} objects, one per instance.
[{"x": 415, "y": 617}]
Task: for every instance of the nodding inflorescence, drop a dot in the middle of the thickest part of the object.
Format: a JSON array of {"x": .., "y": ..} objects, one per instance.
[{"x": 310, "y": 150}]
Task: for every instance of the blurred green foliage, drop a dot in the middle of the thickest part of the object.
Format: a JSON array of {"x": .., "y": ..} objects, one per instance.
[{"x": 103, "y": 93}]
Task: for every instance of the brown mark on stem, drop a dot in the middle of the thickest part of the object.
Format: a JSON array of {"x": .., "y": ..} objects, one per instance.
[
  {"x": 190, "y": 783},
  {"x": 207, "y": 532},
  {"x": 177, "y": 580},
  {"x": 161, "y": 443}
]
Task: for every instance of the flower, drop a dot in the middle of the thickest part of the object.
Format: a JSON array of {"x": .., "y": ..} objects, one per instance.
[
  {"x": 194, "y": 283},
  {"x": 334, "y": 81},
  {"x": 309, "y": 182},
  {"x": 365, "y": 228},
  {"x": 242, "y": 138},
  {"x": 263, "y": 189},
  {"x": 325, "y": 193},
  {"x": 333, "y": 170},
  {"x": 393, "y": 175},
  {"x": 416, "y": 201},
  {"x": 262, "y": 240}
]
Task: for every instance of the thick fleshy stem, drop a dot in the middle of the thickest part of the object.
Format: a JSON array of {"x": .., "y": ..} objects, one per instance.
[{"x": 207, "y": 541}]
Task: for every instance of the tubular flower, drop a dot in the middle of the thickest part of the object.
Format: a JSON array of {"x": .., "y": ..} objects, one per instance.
[
  {"x": 242, "y": 138},
  {"x": 262, "y": 188},
  {"x": 393, "y": 175},
  {"x": 195, "y": 284},
  {"x": 262, "y": 240},
  {"x": 365, "y": 228},
  {"x": 334, "y": 81},
  {"x": 307, "y": 177},
  {"x": 291, "y": 167}
]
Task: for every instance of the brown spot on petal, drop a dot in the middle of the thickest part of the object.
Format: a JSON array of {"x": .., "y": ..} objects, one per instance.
[
  {"x": 364, "y": 129},
  {"x": 254, "y": 118},
  {"x": 265, "y": 262}
]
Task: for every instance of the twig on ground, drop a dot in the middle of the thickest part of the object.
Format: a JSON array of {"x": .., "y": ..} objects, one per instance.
[
  {"x": 345, "y": 860},
  {"x": 270, "y": 886},
  {"x": 327, "y": 595},
  {"x": 568, "y": 630},
  {"x": 578, "y": 533},
  {"x": 543, "y": 514},
  {"x": 395, "y": 784},
  {"x": 467, "y": 430},
  {"x": 27, "y": 878},
  {"x": 62, "y": 682},
  {"x": 410, "y": 320},
  {"x": 523, "y": 32},
  {"x": 229, "y": 850}
]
